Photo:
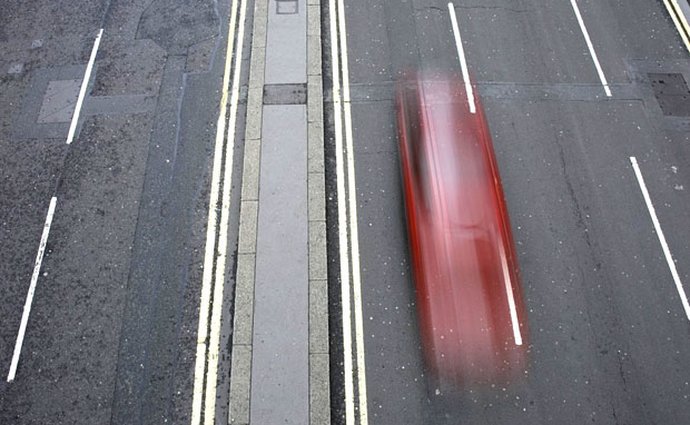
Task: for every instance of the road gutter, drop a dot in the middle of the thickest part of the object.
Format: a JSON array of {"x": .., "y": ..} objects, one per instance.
[
  {"x": 215, "y": 255},
  {"x": 680, "y": 11}
]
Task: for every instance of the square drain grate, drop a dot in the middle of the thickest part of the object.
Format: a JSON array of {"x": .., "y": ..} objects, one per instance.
[
  {"x": 672, "y": 93},
  {"x": 287, "y": 7},
  {"x": 285, "y": 94}
]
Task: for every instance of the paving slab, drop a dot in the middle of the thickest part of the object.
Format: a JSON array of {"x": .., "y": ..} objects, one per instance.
[
  {"x": 280, "y": 366},
  {"x": 286, "y": 45}
]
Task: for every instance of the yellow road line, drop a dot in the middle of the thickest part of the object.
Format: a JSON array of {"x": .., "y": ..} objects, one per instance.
[
  {"x": 679, "y": 21},
  {"x": 221, "y": 260},
  {"x": 212, "y": 230},
  {"x": 342, "y": 222},
  {"x": 354, "y": 232}
]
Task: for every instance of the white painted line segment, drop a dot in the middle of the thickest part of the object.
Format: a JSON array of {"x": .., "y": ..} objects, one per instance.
[
  {"x": 342, "y": 222},
  {"x": 363, "y": 408},
  {"x": 82, "y": 89},
  {"x": 592, "y": 53},
  {"x": 662, "y": 238},
  {"x": 517, "y": 335},
  {"x": 212, "y": 230},
  {"x": 32, "y": 289},
  {"x": 221, "y": 259},
  {"x": 461, "y": 56}
]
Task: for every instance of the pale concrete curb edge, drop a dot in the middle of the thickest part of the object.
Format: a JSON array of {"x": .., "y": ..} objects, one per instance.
[
  {"x": 241, "y": 364},
  {"x": 319, "y": 375}
]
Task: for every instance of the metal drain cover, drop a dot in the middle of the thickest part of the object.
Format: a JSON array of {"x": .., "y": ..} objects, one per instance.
[
  {"x": 672, "y": 93},
  {"x": 285, "y": 94}
]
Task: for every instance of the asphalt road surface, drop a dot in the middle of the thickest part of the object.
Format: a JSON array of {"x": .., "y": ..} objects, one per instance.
[
  {"x": 111, "y": 335},
  {"x": 577, "y": 93},
  {"x": 609, "y": 335}
]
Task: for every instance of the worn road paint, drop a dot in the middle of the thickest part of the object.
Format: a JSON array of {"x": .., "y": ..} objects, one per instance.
[{"x": 32, "y": 288}]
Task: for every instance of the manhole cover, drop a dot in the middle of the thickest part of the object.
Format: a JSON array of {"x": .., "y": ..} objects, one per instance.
[
  {"x": 287, "y": 7},
  {"x": 672, "y": 93},
  {"x": 285, "y": 94}
]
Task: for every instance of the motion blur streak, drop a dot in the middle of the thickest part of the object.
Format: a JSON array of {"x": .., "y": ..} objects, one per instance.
[{"x": 472, "y": 317}]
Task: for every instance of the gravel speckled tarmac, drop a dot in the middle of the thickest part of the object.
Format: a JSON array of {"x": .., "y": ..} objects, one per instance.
[
  {"x": 111, "y": 337},
  {"x": 112, "y": 332},
  {"x": 608, "y": 331}
]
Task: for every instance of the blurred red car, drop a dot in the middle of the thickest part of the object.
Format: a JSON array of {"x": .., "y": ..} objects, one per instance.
[{"x": 472, "y": 317}]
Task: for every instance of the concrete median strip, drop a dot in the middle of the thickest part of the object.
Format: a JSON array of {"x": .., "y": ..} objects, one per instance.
[{"x": 281, "y": 307}]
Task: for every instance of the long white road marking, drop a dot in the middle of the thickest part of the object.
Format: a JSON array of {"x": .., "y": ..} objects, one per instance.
[
  {"x": 461, "y": 56},
  {"x": 32, "y": 289},
  {"x": 470, "y": 100},
  {"x": 84, "y": 86},
  {"x": 342, "y": 222},
  {"x": 592, "y": 53},
  {"x": 517, "y": 335},
  {"x": 354, "y": 232},
  {"x": 662, "y": 238},
  {"x": 212, "y": 229},
  {"x": 221, "y": 260}
]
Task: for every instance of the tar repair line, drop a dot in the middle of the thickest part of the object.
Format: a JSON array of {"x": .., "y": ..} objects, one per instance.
[
  {"x": 662, "y": 238},
  {"x": 592, "y": 53},
  {"x": 82, "y": 89},
  {"x": 348, "y": 235},
  {"x": 32, "y": 289},
  {"x": 461, "y": 57},
  {"x": 211, "y": 235}
]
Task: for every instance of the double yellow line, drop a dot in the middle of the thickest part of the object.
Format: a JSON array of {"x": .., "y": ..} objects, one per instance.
[
  {"x": 348, "y": 237},
  {"x": 215, "y": 255},
  {"x": 679, "y": 21}
]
